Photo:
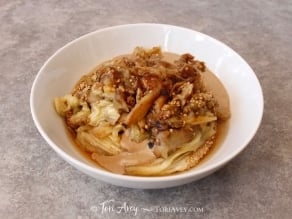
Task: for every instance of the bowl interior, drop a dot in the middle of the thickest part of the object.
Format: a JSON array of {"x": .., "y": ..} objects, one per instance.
[{"x": 60, "y": 73}]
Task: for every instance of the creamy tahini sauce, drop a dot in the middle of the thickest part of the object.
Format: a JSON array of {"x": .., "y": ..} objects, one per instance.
[{"x": 212, "y": 84}]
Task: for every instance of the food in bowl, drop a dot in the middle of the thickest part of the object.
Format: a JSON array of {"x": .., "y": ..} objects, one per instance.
[{"x": 149, "y": 113}]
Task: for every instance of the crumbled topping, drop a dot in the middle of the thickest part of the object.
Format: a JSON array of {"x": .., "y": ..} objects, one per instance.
[{"x": 128, "y": 80}]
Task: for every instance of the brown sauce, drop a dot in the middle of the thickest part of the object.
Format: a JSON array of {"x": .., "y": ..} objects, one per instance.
[{"x": 80, "y": 150}]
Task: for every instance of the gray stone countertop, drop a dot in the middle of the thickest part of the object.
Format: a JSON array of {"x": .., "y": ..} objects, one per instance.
[{"x": 36, "y": 183}]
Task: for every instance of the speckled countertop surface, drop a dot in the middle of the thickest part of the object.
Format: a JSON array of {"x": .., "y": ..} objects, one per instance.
[{"x": 36, "y": 183}]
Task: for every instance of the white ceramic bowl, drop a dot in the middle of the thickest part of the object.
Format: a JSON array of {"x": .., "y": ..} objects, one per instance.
[{"x": 59, "y": 74}]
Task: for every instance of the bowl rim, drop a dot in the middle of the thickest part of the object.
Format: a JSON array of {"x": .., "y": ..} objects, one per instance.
[{"x": 102, "y": 172}]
